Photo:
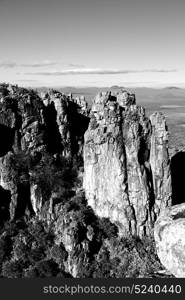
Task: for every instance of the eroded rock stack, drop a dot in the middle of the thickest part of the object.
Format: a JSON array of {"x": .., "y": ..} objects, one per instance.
[{"x": 126, "y": 165}]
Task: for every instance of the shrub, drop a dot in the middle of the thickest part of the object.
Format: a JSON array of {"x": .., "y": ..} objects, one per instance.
[
  {"x": 47, "y": 268},
  {"x": 58, "y": 254},
  {"x": 109, "y": 229},
  {"x": 12, "y": 269}
]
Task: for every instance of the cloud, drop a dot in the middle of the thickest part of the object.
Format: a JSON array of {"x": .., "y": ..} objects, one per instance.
[
  {"x": 11, "y": 64},
  {"x": 39, "y": 64},
  {"x": 7, "y": 64},
  {"x": 27, "y": 80},
  {"x": 76, "y": 66},
  {"x": 100, "y": 72}
]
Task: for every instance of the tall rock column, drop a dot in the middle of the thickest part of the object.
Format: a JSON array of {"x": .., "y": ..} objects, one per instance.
[
  {"x": 160, "y": 163},
  {"x": 104, "y": 163},
  {"x": 136, "y": 133}
]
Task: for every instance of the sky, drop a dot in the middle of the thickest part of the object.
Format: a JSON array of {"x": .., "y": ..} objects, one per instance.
[{"x": 92, "y": 42}]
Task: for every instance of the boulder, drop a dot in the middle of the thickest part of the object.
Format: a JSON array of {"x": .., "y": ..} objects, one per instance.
[{"x": 169, "y": 234}]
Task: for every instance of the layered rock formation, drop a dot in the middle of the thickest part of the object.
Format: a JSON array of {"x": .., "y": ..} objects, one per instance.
[
  {"x": 169, "y": 233},
  {"x": 126, "y": 164}
]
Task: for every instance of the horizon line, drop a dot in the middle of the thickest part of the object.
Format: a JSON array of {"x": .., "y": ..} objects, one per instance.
[{"x": 127, "y": 85}]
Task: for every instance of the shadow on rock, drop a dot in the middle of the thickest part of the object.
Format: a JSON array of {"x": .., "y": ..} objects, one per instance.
[
  {"x": 7, "y": 138},
  {"x": 178, "y": 181},
  {"x": 5, "y": 198}
]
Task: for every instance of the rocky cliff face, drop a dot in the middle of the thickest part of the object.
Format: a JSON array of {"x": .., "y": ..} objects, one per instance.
[
  {"x": 126, "y": 164},
  {"x": 31, "y": 127},
  {"x": 22, "y": 129}
]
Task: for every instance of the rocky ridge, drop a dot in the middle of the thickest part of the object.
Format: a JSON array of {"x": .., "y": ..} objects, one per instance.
[{"x": 51, "y": 141}]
